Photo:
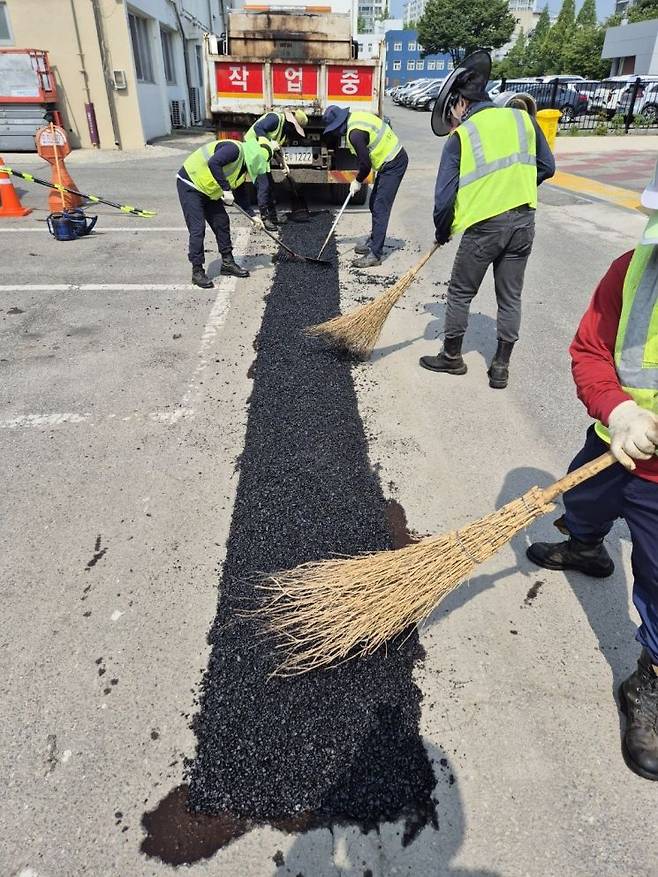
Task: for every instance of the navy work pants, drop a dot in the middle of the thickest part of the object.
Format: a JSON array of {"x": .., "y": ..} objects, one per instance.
[
  {"x": 504, "y": 241},
  {"x": 265, "y": 193},
  {"x": 387, "y": 183},
  {"x": 592, "y": 508},
  {"x": 197, "y": 210}
]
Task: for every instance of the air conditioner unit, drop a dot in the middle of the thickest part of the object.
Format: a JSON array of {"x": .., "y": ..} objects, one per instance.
[{"x": 177, "y": 113}]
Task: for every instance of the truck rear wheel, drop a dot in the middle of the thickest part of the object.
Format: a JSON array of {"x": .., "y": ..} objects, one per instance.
[
  {"x": 361, "y": 196},
  {"x": 338, "y": 193}
]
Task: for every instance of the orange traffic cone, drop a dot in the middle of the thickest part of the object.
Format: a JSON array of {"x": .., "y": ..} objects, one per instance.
[
  {"x": 10, "y": 203},
  {"x": 60, "y": 176}
]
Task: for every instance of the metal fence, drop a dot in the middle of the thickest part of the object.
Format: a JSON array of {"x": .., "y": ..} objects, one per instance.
[{"x": 619, "y": 105}]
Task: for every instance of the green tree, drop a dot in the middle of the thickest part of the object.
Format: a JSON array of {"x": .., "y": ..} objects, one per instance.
[
  {"x": 587, "y": 14},
  {"x": 643, "y": 10},
  {"x": 514, "y": 62},
  {"x": 458, "y": 27},
  {"x": 583, "y": 55},
  {"x": 534, "y": 56},
  {"x": 360, "y": 24},
  {"x": 559, "y": 38}
]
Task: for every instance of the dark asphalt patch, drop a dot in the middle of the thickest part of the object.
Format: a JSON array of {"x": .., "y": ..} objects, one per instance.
[{"x": 340, "y": 746}]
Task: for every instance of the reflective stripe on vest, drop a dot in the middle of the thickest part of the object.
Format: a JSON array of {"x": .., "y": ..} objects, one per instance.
[
  {"x": 277, "y": 134},
  {"x": 498, "y": 166},
  {"x": 199, "y": 173},
  {"x": 383, "y": 143},
  {"x": 636, "y": 345}
]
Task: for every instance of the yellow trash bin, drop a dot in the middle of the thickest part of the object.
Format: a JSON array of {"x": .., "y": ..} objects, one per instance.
[{"x": 547, "y": 121}]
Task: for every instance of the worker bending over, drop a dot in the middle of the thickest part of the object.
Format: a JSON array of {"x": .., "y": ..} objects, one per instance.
[
  {"x": 615, "y": 368},
  {"x": 377, "y": 148},
  {"x": 211, "y": 179},
  {"x": 279, "y": 128},
  {"x": 486, "y": 187}
]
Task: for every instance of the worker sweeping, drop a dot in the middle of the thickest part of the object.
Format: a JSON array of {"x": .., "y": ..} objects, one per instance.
[
  {"x": 279, "y": 128},
  {"x": 210, "y": 180},
  {"x": 377, "y": 148},
  {"x": 486, "y": 188},
  {"x": 615, "y": 368}
]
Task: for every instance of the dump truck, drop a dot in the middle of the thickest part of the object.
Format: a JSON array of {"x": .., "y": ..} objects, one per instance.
[{"x": 297, "y": 57}]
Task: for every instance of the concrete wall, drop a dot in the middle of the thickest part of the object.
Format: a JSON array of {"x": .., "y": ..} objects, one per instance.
[
  {"x": 632, "y": 41},
  {"x": 141, "y": 110}
]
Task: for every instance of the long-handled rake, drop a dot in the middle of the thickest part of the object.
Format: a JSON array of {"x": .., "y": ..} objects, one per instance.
[
  {"x": 336, "y": 221},
  {"x": 358, "y": 331},
  {"x": 95, "y": 199},
  {"x": 296, "y": 256},
  {"x": 333, "y": 610}
]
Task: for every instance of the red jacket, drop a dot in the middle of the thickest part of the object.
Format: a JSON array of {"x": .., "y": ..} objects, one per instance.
[{"x": 593, "y": 351}]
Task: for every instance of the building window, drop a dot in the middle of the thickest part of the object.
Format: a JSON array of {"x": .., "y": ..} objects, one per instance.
[
  {"x": 431, "y": 65},
  {"x": 397, "y": 65},
  {"x": 412, "y": 47},
  {"x": 6, "y": 38},
  {"x": 139, "y": 34},
  {"x": 397, "y": 47},
  {"x": 420, "y": 65},
  {"x": 411, "y": 65},
  {"x": 168, "y": 56},
  {"x": 440, "y": 65}
]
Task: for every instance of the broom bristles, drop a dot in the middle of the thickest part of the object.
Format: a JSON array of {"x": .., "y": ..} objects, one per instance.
[
  {"x": 329, "y": 611},
  {"x": 358, "y": 331}
]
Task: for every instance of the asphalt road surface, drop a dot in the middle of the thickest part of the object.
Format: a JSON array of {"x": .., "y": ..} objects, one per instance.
[{"x": 124, "y": 408}]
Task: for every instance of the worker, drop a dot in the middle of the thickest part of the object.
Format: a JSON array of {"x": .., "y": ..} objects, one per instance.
[
  {"x": 377, "y": 148},
  {"x": 486, "y": 187},
  {"x": 210, "y": 180},
  {"x": 615, "y": 368},
  {"x": 280, "y": 128}
]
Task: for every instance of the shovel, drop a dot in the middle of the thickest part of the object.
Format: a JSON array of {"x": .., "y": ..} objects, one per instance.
[
  {"x": 333, "y": 227},
  {"x": 296, "y": 256}
]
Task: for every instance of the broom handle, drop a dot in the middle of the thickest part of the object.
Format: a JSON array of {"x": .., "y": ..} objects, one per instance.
[
  {"x": 428, "y": 255},
  {"x": 578, "y": 476}
]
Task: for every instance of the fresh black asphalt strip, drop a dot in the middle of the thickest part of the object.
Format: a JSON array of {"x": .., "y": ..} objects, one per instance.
[{"x": 343, "y": 745}]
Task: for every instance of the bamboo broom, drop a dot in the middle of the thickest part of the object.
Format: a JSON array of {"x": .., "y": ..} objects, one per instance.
[
  {"x": 330, "y": 611},
  {"x": 357, "y": 332}
]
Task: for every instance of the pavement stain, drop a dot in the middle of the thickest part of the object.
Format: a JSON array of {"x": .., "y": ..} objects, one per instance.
[{"x": 99, "y": 553}]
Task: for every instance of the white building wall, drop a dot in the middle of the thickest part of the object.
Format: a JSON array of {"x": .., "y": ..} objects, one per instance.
[{"x": 194, "y": 18}]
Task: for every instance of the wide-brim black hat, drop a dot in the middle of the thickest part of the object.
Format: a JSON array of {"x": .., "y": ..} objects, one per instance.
[{"x": 478, "y": 62}]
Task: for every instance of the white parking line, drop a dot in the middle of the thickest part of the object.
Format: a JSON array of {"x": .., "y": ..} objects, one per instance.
[
  {"x": 106, "y": 228},
  {"x": 97, "y": 287},
  {"x": 214, "y": 323}
]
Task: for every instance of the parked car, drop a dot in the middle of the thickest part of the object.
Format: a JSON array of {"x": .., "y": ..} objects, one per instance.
[
  {"x": 607, "y": 96},
  {"x": 425, "y": 100},
  {"x": 414, "y": 91},
  {"x": 403, "y": 90},
  {"x": 548, "y": 96},
  {"x": 646, "y": 101}
]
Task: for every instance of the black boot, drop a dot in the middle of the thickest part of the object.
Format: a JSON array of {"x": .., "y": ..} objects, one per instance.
[
  {"x": 275, "y": 218},
  {"x": 231, "y": 267},
  {"x": 200, "y": 278},
  {"x": 449, "y": 360},
  {"x": 268, "y": 222},
  {"x": 499, "y": 368},
  {"x": 638, "y": 698},
  {"x": 590, "y": 558}
]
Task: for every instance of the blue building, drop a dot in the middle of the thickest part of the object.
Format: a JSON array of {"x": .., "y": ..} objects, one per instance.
[{"x": 403, "y": 60}]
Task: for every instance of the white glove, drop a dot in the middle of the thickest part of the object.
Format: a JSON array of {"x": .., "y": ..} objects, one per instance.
[
  {"x": 355, "y": 186},
  {"x": 228, "y": 198},
  {"x": 275, "y": 145},
  {"x": 286, "y": 170},
  {"x": 258, "y": 222},
  {"x": 633, "y": 433}
]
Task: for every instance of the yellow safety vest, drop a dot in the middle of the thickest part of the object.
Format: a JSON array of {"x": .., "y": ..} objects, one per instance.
[
  {"x": 199, "y": 173},
  {"x": 383, "y": 143},
  {"x": 636, "y": 345},
  {"x": 277, "y": 134},
  {"x": 498, "y": 166}
]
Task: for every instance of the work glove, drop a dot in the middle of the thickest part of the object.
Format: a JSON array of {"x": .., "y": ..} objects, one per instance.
[
  {"x": 228, "y": 198},
  {"x": 275, "y": 146},
  {"x": 355, "y": 186},
  {"x": 258, "y": 222},
  {"x": 633, "y": 433}
]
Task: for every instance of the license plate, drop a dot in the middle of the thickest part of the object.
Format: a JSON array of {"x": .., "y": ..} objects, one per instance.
[{"x": 298, "y": 155}]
